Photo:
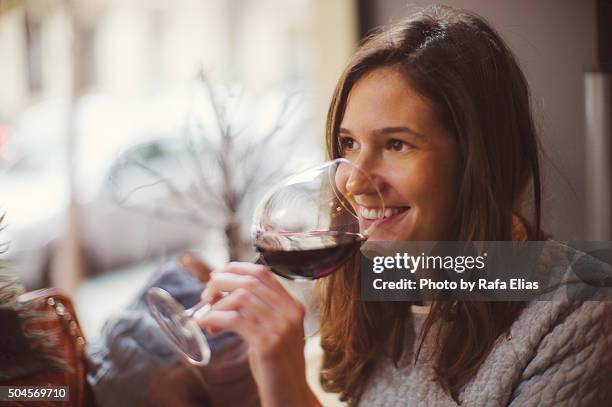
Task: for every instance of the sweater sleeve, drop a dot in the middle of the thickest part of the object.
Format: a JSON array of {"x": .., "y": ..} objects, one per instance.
[{"x": 572, "y": 364}]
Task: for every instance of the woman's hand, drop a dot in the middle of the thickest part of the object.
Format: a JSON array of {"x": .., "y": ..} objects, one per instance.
[{"x": 270, "y": 320}]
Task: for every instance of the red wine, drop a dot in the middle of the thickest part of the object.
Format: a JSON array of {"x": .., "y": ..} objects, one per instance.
[{"x": 307, "y": 256}]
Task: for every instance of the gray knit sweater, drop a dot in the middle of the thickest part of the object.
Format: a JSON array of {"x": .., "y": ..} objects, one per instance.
[{"x": 557, "y": 354}]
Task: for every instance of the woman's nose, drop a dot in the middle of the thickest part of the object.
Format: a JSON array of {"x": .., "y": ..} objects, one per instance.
[{"x": 360, "y": 181}]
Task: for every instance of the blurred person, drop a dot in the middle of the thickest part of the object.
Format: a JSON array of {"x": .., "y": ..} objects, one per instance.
[{"x": 437, "y": 109}]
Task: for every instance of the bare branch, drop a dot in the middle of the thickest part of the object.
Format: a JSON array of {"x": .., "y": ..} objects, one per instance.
[
  {"x": 191, "y": 217},
  {"x": 160, "y": 179},
  {"x": 201, "y": 178},
  {"x": 280, "y": 123},
  {"x": 219, "y": 115},
  {"x": 123, "y": 200},
  {"x": 270, "y": 178},
  {"x": 228, "y": 157},
  {"x": 259, "y": 149}
]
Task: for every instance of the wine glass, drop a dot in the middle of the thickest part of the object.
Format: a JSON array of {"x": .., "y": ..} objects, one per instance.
[{"x": 304, "y": 228}]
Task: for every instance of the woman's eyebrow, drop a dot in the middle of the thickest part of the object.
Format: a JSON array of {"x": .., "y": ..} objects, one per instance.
[
  {"x": 398, "y": 129},
  {"x": 387, "y": 130}
]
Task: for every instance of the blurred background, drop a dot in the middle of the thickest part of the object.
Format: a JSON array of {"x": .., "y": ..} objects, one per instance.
[{"x": 133, "y": 131}]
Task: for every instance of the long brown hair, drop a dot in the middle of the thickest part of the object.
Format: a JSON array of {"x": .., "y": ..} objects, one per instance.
[{"x": 461, "y": 65}]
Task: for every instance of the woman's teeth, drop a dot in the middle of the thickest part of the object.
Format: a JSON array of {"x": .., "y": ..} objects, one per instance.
[{"x": 374, "y": 213}]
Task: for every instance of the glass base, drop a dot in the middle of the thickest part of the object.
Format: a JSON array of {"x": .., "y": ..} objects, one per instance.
[{"x": 178, "y": 325}]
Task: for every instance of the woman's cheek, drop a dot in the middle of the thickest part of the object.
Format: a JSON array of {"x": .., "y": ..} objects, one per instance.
[
  {"x": 415, "y": 183},
  {"x": 432, "y": 191}
]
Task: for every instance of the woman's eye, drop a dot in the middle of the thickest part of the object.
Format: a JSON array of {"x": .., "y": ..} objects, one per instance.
[
  {"x": 348, "y": 144},
  {"x": 397, "y": 145}
]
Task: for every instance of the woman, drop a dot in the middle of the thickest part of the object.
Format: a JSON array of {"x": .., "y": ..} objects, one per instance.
[{"x": 437, "y": 110}]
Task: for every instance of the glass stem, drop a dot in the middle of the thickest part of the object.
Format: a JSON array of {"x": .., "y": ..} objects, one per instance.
[{"x": 201, "y": 308}]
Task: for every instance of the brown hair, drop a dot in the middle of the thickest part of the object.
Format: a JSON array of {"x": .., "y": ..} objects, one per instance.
[{"x": 462, "y": 66}]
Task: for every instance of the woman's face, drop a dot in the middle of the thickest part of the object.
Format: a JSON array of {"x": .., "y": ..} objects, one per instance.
[{"x": 392, "y": 133}]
